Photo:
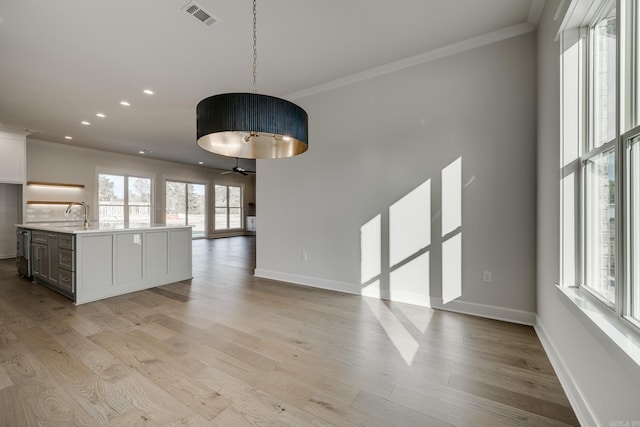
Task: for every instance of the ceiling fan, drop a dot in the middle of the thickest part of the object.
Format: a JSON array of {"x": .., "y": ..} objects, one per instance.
[{"x": 238, "y": 169}]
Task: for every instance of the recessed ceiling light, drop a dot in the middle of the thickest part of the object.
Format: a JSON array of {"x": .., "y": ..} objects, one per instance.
[
  {"x": 100, "y": 115},
  {"x": 86, "y": 123},
  {"x": 201, "y": 163},
  {"x": 148, "y": 91},
  {"x": 68, "y": 137},
  {"x": 142, "y": 152},
  {"x": 125, "y": 103}
]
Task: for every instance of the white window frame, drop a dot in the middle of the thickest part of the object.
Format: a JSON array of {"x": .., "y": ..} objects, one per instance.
[
  {"x": 626, "y": 112},
  {"x": 126, "y": 176},
  {"x": 627, "y": 294},
  {"x": 206, "y": 210},
  {"x": 242, "y": 220}
]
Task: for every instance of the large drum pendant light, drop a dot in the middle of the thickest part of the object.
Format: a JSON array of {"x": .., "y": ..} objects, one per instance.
[{"x": 250, "y": 125}]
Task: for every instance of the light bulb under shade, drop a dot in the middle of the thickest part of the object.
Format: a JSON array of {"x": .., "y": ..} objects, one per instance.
[{"x": 251, "y": 126}]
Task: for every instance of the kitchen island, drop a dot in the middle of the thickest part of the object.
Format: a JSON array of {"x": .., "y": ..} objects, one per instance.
[{"x": 105, "y": 260}]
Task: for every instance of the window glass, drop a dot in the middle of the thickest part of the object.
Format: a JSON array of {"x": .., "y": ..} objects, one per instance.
[
  {"x": 176, "y": 209},
  {"x": 111, "y": 198},
  {"x": 196, "y": 208},
  {"x": 600, "y": 225},
  {"x": 139, "y": 201},
  {"x": 634, "y": 228},
  {"x": 124, "y": 199},
  {"x": 185, "y": 205},
  {"x": 228, "y": 207},
  {"x": 235, "y": 218},
  {"x": 604, "y": 69},
  {"x": 221, "y": 221},
  {"x": 633, "y": 66},
  {"x": 235, "y": 198}
]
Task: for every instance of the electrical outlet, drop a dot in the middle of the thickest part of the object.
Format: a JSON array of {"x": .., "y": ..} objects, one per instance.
[{"x": 486, "y": 277}]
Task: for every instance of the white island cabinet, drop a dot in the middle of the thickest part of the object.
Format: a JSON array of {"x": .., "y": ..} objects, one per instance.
[{"x": 112, "y": 260}]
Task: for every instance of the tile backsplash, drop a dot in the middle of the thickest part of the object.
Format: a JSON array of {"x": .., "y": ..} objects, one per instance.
[{"x": 54, "y": 213}]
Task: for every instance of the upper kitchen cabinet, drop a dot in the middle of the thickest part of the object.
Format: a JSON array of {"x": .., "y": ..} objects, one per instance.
[{"x": 13, "y": 157}]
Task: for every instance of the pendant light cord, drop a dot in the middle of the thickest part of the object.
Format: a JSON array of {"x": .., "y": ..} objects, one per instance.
[{"x": 255, "y": 49}]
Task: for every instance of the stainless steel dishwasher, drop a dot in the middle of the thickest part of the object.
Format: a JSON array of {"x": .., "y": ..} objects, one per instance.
[{"x": 23, "y": 252}]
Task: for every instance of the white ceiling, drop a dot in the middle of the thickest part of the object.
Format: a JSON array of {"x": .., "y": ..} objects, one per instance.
[{"x": 63, "y": 61}]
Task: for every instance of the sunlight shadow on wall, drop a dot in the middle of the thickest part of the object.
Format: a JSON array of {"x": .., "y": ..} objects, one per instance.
[
  {"x": 452, "y": 231},
  {"x": 371, "y": 256},
  {"x": 452, "y": 268},
  {"x": 409, "y": 238},
  {"x": 398, "y": 268},
  {"x": 452, "y": 197},
  {"x": 409, "y": 283},
  {"x": 409, "y": 224}
]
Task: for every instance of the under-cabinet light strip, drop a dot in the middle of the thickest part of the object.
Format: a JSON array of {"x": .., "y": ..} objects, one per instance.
[
  {"x": 46, "y": 202},
  {"x": 55, "y": 184}
]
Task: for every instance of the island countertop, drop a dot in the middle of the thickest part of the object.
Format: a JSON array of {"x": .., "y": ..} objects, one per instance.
[
  {"x": 96, "y": 227},
  {"x": 108, "y": 259}
]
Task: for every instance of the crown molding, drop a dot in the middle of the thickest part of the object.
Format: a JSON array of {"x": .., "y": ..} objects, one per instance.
[{"x": 412, "y": 61}]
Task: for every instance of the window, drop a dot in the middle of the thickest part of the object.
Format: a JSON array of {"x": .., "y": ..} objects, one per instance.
[
  {"x": 609, "y": 211},
  {"x": 600, "y": 225},
  {"x": 228, "y": 207},
  {"x": 185, "y": 205},
  {"x": 633, "y": 306},
  {"x": 124, "y": 199},
  {"x": 603, "y": 78}
]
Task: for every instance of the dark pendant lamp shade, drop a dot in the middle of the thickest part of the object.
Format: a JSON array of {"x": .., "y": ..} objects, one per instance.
[{"x": 251, "y": 126}]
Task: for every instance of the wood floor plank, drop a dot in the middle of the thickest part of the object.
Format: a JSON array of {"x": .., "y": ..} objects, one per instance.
[
  {"x": 35, "y": 396},
  {"x": 543, "y": 407},
  {"x": 394, "y": 413},
  {"x": 229, "y": 349},
  {"x": 5, "y": 380},
  {"x": 340, "y": 414},
  {"x": 198, "y": 398},
  {"x": 14, "y": 410},
  {"x": 153, "y": 405},
  {"x": 464, "y": 409},
  {"x": 97, "y": 397}
]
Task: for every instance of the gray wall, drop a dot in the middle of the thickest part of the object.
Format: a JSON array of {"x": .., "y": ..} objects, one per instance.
[
  {"x": 601, "y": 382},
  {"x": 373, "y": 142},
  {"x": 62, "y": 163}
]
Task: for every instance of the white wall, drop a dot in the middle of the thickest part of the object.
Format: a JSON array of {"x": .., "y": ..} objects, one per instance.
[
  {"x": 373, "y": 142},
  {"x": 10, "y": 214},
  {"x": 602, "y": 386},
  {"x": 62, "y": 163}
]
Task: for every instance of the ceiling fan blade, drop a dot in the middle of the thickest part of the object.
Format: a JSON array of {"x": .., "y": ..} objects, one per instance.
[{"x": 225, "y": 172}]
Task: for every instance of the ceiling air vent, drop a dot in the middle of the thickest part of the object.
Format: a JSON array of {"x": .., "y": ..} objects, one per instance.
[{"x": 199, "y": 13}]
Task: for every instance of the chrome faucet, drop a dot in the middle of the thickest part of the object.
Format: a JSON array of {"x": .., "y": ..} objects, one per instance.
[{"x": 86, "y": 212}]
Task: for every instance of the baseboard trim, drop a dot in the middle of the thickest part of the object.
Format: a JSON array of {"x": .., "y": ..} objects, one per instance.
[
  {"x": 586, "y": 416},
  {"x": 463, "y": 307},
  {"x": 488, "y": 311},
  {"x": 313, "y": 282}
]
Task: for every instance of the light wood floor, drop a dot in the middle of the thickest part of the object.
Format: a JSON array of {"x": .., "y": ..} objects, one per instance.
[{"x": 227, "y": 349}]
